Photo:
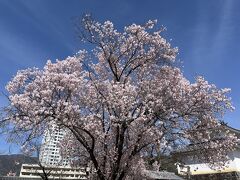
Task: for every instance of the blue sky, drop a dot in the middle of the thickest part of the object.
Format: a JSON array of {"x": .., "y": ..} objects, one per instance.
[{"x": 207, "y": 34}]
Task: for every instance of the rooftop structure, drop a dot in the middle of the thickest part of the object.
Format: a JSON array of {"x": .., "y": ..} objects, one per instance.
[
  {"x": 160, "y": 175},
  {"x": 202, "y": 170},
  {"x": 34, "y": 171}
]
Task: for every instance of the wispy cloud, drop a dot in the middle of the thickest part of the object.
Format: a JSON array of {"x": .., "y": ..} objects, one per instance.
[
  {"x": 48, "y": 23},
  {"x": 225, "y": 26},
  {"x": 15, "y": 49},
  {"x": 210, "y": 34}
]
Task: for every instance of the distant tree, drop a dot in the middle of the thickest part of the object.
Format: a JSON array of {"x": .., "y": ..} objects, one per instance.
[
  {"x": 123, "y": 101},
  {"x": 10, "y": 173}
]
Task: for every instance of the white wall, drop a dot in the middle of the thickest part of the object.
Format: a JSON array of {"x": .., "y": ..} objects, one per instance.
[{"x": 203, "y": 168}]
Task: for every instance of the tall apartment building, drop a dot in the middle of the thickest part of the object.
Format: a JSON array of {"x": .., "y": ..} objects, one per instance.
[
  {"x": 50, "y": 151},
  {"x": 50, "y": 158}
]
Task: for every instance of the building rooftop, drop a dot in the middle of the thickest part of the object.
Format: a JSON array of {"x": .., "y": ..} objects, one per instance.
[{"x": 161, "y": 175}]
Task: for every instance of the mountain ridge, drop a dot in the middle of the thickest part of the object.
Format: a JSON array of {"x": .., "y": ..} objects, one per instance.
[{"x": 13, "y": 163}]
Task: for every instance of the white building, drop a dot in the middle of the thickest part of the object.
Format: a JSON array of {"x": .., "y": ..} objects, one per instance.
[
  {"x": 50, "y": 151},
  {"x": 201, "y": 171},
  {"x": 52, "y": 164},
  {"x": 61, "y": 172}
]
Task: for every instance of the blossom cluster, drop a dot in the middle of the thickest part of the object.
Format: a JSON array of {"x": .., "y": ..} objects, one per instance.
[{"x": 126, "y": 103}]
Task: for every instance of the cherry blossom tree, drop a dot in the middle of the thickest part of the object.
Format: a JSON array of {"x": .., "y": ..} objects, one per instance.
[{"x": 122, "y": 102}]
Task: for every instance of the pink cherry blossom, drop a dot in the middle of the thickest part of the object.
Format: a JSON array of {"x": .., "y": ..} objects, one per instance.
[{"x": 122, "y": 102}]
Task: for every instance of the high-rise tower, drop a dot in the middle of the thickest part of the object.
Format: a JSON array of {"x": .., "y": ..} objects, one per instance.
[{"x": 50, "y": 151}]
